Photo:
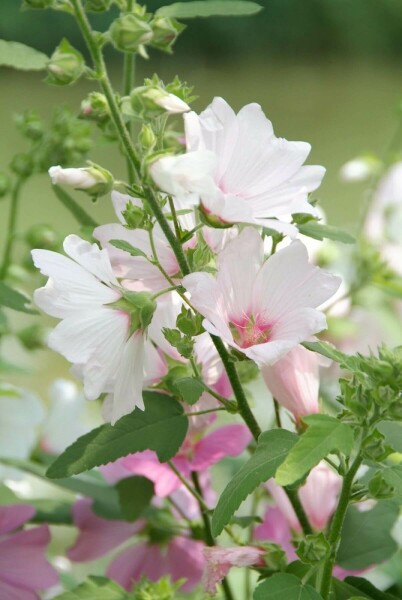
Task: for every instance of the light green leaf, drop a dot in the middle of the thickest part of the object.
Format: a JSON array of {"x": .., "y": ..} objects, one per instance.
[
  {"x": 161, "y": 427},
  {"x": 209, "y": 8},
  {"x": 122, "y": 245},
  {"x": 273, "y": 446},
  {"x": 392, "y": 432},
  {"x": 13, "y": 299},
  {"x": 189, "y": 389},
  {"x": 323, "y": 436},
  {"x": 19, "y": 56},
  {"x": 331, "y": 352},
  {"x": 135, "y": 494},
  {"x": 393, "y": 476},
  {"x": 319, "y": 231},
  {"x": 366, "y": 538},
  {"x": 81, "y": 216},
  {"x": 284, "y": 585},
  {"x": 96, "y": 588}
]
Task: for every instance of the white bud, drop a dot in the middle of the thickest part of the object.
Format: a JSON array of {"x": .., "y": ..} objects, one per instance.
[
  {"x": 358, "y": 169},
  {"x": 172, "y": 104},
  {"x": 80, "y": 179}
]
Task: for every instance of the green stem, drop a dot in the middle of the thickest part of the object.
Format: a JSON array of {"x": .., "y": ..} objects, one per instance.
[
  {"x": 128, "y": 84},
  {"x": 11, "y": 228},
  {"x": 299, "y": 510},
  {"x": 174, "y": 217},
  {"x": 336, "y": 527}
]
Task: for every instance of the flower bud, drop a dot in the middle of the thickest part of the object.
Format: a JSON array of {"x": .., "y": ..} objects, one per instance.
[
  {"x": 97, "y": 5},
  {"x": 37, "y": 3},
  {"x": 147, "y": 137},
  {"x": 22, "y": 165},
  {"x": 5, "y": 184},
  {"x": 95, "y": 108},
  {"x": 30, "y": 125},
  {"x": 165, "y": 32},
  {"x": 152, "y": 101},
  {"x": 144, "y": 307},
  {"x": 66, "y": 65},
  {"x": 129, "y": 31},
  {"x": 42, "y": 236},
  {"x": 359, "y": 169},
  {"x": 94, "y": 180}
]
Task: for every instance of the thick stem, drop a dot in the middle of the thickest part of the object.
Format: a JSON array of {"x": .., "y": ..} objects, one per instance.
[
  {"x": 336, "y": 527},
  {"x": 299, "y": 510},
  {"x": 11, "y": 229},
  {"x": 128, "y": 84}
]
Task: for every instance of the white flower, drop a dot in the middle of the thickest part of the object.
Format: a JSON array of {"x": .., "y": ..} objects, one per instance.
[
  {"x": 357, "y": 169},
  {"x": 172, "y": 104},
  {"x": 263, "y": 309},
  {"x": 80, "y": 179},
  {"x": 94, "y": 333}
]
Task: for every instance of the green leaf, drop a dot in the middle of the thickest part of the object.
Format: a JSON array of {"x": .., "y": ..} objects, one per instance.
[
  {"x": 272, "y": 448},
  {"x": 7, "y": 496},
  {"x": 370, "y": 591},
  {"x": 122, "y": 245},
  {"x": 393, "y": 434},
  {"x": 19, "y": 56},
  {"x": 96, "y": 588},
  {"x": 13, "y": 299},
  {"x": 161, "y": 427},
  {"x": 75, "y": 209},
  {"x": 319, "y": 231},
  {"x": 366, "y": 538},
  {"x": 135, "y": 494},
  {"x": 329, "y": 351},
  {"x": 284, "y": 585},
  {"x": 393, "y": 476},
  {"x": 54, "y": 512},
  {"x": 323, "y": 436},
  {"x": 209, "y": 8},
  {"x": 189, "y": 389}
]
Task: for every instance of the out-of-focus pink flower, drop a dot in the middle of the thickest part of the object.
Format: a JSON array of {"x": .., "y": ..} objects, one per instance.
[
  {"x": 220, "y": 560},
  {"x": 275, "y": 528},
  {"x": 24, "y": 569},
  {"x": 319, "y": 497},
  {"x": 294, "y": 381},
  {"x": 253, "y": 306}
]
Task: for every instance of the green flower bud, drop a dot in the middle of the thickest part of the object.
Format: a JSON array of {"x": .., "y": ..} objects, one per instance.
[
  {"x": 134, "y": 216},
  {"x": 379, "y": 488},
  {"x": 22, "y": 165},
  {"x": 142, "y": 309},
  {"x": 129, "y": 31},
  {"x": 97, "y": 5},
  {"x": 313, "y": 549},
  {"x": 30, "y": 125},
  {"x": 5, "y": 184},
  {"x": 66, "y": 65},
  {"x": 42, "y": 236},
  {"x": 165, "y": 32},
  {"x": 188, "y": 323},
  {"x": 147, "y": 137},
  {"x": 32, "y": 337},
  {"x": 95, "y": 108},
  {"x": 151, "y": 101},
  {"x": 37, "y": 3}
]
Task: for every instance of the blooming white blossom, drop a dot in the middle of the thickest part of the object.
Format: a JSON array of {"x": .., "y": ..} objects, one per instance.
[
  {"x": 95, "y": 333},
  {"x": 263, "y": 309},
  {"x": 80, "y": 179}
]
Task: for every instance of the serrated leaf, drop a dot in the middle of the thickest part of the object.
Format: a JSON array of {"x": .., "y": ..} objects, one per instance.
[
  {"x": 19, "y": 56},
  {"x": 189, "y": 389},
  {"x": 284, "y": 585},
  {"x": 319, "y": 231},
  {"x": 323, "y": 436},
  {"x": 366, "y": 539},
  {"x": 135, "y": 494},
  {"x": 13, "y": 299},
  {"x": 272, "y": 449},
  {"x": 161, "y": 427},
  {"x": 132, "y": 250},
  {"x": 209, "y": 8},
  {"x": 75, "y": 209},
  {"x": 329, "y": 351},
  {"x": 96, "y": 588}
]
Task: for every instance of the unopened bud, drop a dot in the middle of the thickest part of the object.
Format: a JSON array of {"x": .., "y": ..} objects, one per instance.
[
  {"x": 22, "y": 165},
  {"x": 5, "y": 184},
  {"x": 165, "y": 32},
  {"x": 129, "y": 31},
  {"x": 66, "y": 65},
  {"x": 153, "y": 101},
  {"x": 144, "y": 307},
  {"x": 147, "y": 137},
  {"x": 359, "y": 169},
  {"x": 95, "y": 108},
  {"x": 30, "y": 125},
  {"x": 42, "y": 236},
  {"x": 94, "y": 180},
  {"x": 97, "y": 5}
]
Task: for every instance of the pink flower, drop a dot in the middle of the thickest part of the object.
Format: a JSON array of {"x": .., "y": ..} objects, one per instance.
[
  {"x": 263, "y": 309},
  {"x": 24, "y": 569},
  {"x": 275, "y": 528},
  {"x": 294, "y": 381},
  {"x": 220, "y": 560}
]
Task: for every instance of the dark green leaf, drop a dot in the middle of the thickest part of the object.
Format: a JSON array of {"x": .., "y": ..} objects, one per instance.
[
  {"x": 75, "y": 209},
  {"x": 273, "y": 446},
  {"x": 96, "y": 588},
  {"x": 323, "y": 436},
  {"x": 13, "y": 299},
  {"x": 285, "y": 586},
  {"x": 393, "y": 434},
  {"x": 366, "y": 538},
  {"x": 19, "y": 56},
  {"x": 161, "y": 427},
  {"x": 135, "y": 494},
  {"x": 245, "y": 521},
  {"x": 189, "y": 389},
  {"x": 319, "y": 231},
  {"x": 209, "y": 8},
  {"x": 122, "y": 245},
  {"x": 54, "y": 512},
  {"x": 393, "y": 476},
  {"x": 370, "y": 591}
]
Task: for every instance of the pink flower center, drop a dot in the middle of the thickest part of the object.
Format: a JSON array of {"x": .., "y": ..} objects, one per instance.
[{"x": 250, "y": 331}]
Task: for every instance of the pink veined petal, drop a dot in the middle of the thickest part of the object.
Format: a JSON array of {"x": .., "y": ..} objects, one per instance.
[
  {"x": 147, "y": 464},
  {"x": 220, "y": 560},
  {"x": 276, "y": 529},
  {"x": 155, "y": 366},
  {"x": 11, "y": 592},
  {"x": 97, "y": 536},
  {"x": 141, "y": 560},
  {"x": 229, "y": 440},
  {"x": 91, "y": 258},
  {"x": 283, "y": 504},
  {"x": 22, "y": 560},
  {"x": 227, "y": 207},
  {"x": 319, "y": 495},
  {"x": 15, "y": 515},
  {"x": 185, "y": 559}
]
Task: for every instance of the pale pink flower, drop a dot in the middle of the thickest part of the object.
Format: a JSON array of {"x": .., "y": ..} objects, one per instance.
[
  {"x": 220, "y": 560},
  {"x": 294, "y": 381},
  {"x": 24, "y": 570},
  {"x": 319, "y": 497},
  {"x": 258, "y": 177},
  {"x": 93, "y": 334},
  {"x": 80, "y": 179},
  {"x": 263, "y": 309}
]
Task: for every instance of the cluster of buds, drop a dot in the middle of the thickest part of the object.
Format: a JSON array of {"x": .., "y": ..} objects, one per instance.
[{"x": 95, "y": 108}]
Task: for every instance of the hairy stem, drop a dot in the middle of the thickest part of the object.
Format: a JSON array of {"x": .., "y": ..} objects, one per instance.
[
  {"x": 11, "y": 228},
  {"x": 128, "y": 84}
]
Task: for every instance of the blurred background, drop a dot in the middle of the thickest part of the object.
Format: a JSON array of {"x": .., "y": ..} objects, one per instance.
[{"x": 325, "y": 72}]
